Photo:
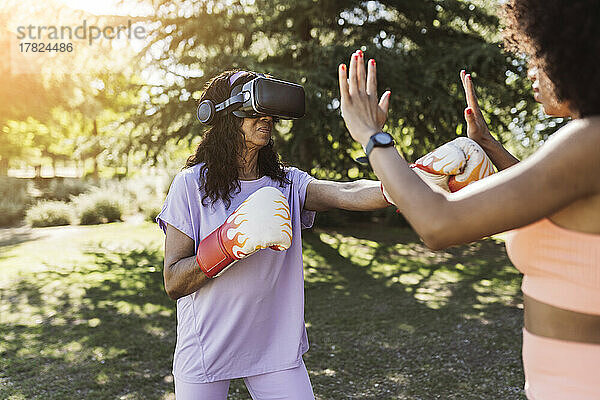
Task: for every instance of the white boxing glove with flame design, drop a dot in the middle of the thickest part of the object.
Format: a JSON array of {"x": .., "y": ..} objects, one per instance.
[
  {"x": 261, "y": 221},
  {"x": 453, "y": 165}
]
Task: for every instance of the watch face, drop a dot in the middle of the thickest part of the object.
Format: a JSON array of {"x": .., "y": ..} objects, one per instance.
[{"x": 383, "y": 138}]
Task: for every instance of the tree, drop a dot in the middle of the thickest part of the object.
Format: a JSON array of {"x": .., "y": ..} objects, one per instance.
[
  {"x": 65, "y": 106},
  {"x": 419, "y": 45}
]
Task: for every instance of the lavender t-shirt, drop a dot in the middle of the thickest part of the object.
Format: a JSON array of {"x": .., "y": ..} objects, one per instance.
[{"x": 250, "y": 320}]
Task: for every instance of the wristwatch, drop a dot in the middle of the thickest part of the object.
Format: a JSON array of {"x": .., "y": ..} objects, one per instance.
[{"x": 379, "y": 139}]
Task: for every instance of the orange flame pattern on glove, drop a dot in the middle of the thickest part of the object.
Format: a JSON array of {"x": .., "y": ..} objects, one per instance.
[
  {"x": 455, "y": 164},
  {"x": 270, "y": 225}
]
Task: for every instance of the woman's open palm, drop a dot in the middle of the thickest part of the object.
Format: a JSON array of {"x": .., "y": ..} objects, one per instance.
[{"x": 477, "y": 128}]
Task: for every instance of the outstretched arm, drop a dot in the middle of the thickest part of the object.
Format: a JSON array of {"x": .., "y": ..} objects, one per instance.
[
  {"x": 360, "y": 195},
  {"x": 527, "y": 192}
]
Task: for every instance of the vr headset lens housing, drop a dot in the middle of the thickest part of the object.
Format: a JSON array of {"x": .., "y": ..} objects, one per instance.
[
  {"x": 261, "y": 96},
  {"x": 280, "y": 99}
]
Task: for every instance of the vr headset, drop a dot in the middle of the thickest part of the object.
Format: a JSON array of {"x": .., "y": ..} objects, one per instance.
[{"x": 259, "y": 97}]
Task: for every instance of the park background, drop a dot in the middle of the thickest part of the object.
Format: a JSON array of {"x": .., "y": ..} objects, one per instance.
[{"x": 90, "y": 140}]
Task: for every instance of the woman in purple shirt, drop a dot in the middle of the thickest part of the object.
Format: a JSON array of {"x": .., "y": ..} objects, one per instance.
[{"x": 248, "y": 322}]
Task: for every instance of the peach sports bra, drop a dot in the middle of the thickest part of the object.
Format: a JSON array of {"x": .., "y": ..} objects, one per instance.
[{"x": 561, "y": 267}]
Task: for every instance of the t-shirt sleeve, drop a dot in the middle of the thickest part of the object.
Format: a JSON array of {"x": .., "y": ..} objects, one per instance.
[
  {"x": 176, "y": 209},
  {"x": 300, "y": 181}
]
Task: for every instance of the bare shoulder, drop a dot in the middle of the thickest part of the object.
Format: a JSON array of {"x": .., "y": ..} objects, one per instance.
[
  {"x": 586, "y": 130},
  {"x": 592, "y": 122},
  {"x": 583, "y": 137},
  {"x": 578, "y": 144}
]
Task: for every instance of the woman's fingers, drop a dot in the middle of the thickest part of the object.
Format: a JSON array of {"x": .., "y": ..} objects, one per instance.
[
  {"x": 372, "y": 78},
  {"x": 384, "y": 103},
  {"x": 353, "y": 78},
  {"x": 361, "y": 74},
  {"x": 464, "y": 78},
  {"x": 382, "y": 112},
  {"x": 343, "y": 78},
  {"x": 471, "y": 95},
  {"x": 358, "y": 79},
  {"x": 470, "y": 116},
  {"x": 469, "y": 88},
  {"x": 361, "y": 111}
]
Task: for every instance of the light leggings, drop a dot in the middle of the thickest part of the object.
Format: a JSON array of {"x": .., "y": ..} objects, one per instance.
[
  {"x": 289, "y": 384},
  {"x": 560, "y": 370}
]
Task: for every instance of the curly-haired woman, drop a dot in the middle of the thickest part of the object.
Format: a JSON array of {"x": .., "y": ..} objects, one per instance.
[
  {"x": 248, "y": 322},
  {"x": 550, "y": 201}
]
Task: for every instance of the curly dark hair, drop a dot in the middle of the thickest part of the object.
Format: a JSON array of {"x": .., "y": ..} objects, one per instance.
[
  {"x": 562, "y": 38},
  {"x": 222, "y": 146}
]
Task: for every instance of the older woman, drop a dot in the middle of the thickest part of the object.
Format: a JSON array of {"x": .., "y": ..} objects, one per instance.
[
  {"x": 247, "y": 322},
  {"x": 552, "y": 199}
]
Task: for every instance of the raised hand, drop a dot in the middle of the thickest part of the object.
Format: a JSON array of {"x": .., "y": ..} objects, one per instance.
[
  {"x": 477, "y": 128},
  {"x": 363, "y": 114}
]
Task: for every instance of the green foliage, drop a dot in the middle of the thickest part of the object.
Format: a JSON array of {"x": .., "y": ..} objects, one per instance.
[
  {"x": 113, "y": 199},
  {"x": 62, "y": 189},
  {"x": 14, "y": 189},
  {"x": 62, "y": 115},
  {"x": 151, "y": 211},
  {"x": 100, "y": 212},
  {"x": 146, "y": 192},
  {"x": 420, "y": 47},
  {"x": 117, "y": 119},
  {"x": 91, "y": 303},
  {"x": 143, "y": 194},
  {"x": 108, "y": 202},
  {"x": 49, "y": 213},
  {"x": 387, "y": 217},
  {"x": 149, "y": 194},
  {"x": 10, "y": 213},
  {"x": 86, "y": 317},
  {"x": 99, "y": 207},
  {"x": 14, "y": 199}
]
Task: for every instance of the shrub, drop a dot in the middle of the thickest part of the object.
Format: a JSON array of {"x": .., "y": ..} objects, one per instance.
[
  {"x": 99, "y": 207},
  {"x": 147, "y": 192},
  {"x": 63, "y": 189},
  {"x": 133, "y": 195},
  {"x": 14, "y": 200},
  {"x": 11, "y": 212},
  {"x": 49, "y": 213},
  {"x": 151, "y": 209}
]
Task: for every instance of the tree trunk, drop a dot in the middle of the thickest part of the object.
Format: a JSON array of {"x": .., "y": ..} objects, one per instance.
[
  {"x": 3, "y": 166},
  {"x": 127, "y": 163},
  {"x": 95, "y": 133}
]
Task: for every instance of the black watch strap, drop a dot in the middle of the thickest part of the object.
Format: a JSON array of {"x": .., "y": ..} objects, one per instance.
[{"x": 374, "y": 142}]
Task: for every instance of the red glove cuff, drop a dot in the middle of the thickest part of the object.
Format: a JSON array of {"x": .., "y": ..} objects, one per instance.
[{"x": 211, "y": 255}]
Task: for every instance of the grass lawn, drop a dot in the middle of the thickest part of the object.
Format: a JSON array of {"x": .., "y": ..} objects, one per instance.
[{"x": 83, "y": 315}]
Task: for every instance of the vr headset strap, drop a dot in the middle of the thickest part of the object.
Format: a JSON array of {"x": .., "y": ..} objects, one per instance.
[{"x": 238, "y": 99}]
